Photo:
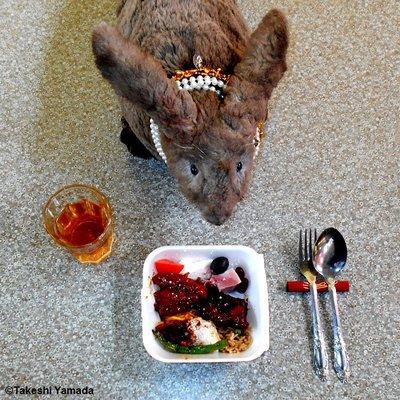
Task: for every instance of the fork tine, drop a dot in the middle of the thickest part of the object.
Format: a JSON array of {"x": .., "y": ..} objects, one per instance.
[
  {"x": 301, "y": 246},
  {"x": 310, "y": 245}
]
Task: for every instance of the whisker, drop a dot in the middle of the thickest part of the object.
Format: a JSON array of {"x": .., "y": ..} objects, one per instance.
[
  {"x": 202, "y": 153},
  {"x": 184, "y": 147}
]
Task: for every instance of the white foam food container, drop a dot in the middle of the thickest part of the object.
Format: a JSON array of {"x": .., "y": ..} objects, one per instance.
[{"x": 257, "y": 295}]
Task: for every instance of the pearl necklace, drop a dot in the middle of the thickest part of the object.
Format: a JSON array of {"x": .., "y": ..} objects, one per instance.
[{"x": 201, "y": 78}]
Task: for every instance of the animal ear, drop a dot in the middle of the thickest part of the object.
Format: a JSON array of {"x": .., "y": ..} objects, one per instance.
[
  {"x": 140, "y": 78},
  {"x": 261, "y": 67}
]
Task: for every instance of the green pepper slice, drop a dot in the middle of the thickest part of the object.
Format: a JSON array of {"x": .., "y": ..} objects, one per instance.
[{"x": 202, "y": 349}]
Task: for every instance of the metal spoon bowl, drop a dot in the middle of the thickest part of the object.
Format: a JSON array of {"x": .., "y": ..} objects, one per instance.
[{"x": 330, "y": 253}]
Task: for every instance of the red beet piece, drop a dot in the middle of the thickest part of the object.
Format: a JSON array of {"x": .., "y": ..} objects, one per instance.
[
  {"x": 171, "y": 301},
  {"x": 224, "y": 310},
  {"x": 179, "y": 281},
  {"x": 178, "y": 294}
]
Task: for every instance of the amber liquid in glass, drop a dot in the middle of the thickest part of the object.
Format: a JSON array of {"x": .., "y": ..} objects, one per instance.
[{"x": 80, "y": 224}]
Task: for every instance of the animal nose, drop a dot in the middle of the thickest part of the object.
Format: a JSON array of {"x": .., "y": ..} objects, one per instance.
[{"x": 217, "y": 219}]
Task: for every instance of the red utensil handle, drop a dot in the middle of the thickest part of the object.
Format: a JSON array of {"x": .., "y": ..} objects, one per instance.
[{"x": 302, "y": 286}]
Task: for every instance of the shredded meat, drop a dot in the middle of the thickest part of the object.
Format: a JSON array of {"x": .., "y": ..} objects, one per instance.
[
  {"x": 224, "y": 310},
  {"x": 178, "y": 293},
  {"x": 175, "y": 330}
]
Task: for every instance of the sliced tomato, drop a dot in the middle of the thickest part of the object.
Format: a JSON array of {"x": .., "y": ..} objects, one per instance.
[{"x": 168, "y": 266}]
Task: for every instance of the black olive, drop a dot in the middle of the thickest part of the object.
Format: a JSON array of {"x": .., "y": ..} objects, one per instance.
[
  {"x": 242, "y": 287},
  {"x": 219, "y": 265},
  {"x": 240, "y": 272}
]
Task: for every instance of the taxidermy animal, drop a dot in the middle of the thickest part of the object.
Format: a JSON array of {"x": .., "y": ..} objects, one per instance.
[{"x": 194, "y": 85}]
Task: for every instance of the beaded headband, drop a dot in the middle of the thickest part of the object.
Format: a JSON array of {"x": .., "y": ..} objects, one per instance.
[{"x": 200, "y": 78}]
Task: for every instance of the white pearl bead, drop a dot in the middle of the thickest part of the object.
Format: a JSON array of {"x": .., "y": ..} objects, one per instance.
[
  {"x": 155, "y": 135},
  {"x": 199, "y": 82}
]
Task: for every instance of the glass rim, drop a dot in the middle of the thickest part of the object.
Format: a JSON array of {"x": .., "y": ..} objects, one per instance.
[{"x": 81, "y": 186}]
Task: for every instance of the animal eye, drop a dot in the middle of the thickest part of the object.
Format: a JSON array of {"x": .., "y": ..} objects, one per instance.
[
  {"x": 193, "y": 169},
  {"x": 239, "y": 166}
]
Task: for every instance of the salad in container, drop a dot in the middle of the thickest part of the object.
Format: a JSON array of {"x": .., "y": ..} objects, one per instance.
[{"x": 205, "y": 304}]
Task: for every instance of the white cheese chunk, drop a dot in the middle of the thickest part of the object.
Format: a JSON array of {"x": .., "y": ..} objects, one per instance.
[
  {"x": 204, "y": 331},
  {"x": 196, "y": 268}
]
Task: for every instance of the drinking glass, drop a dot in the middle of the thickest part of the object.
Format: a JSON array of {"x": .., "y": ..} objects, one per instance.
[{"x": 79, "y": 218}]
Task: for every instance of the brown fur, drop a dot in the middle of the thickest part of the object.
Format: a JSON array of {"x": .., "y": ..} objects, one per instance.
[{"x": 156, "y": 38}]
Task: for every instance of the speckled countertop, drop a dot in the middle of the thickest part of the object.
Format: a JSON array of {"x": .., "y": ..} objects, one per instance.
[{"x": 331, "y": 158}]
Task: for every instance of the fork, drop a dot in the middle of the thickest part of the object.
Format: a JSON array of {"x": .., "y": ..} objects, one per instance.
[{"x": 320, "y": 363}]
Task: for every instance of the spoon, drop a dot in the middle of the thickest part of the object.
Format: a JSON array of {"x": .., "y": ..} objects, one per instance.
[{"x": 329, "y": 258}]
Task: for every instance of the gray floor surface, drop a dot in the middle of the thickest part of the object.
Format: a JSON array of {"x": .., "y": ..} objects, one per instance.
[{"x": 330, "y": 159}]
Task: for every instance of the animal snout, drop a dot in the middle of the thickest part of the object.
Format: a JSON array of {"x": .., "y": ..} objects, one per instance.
[
  {"x": 218, "y": 216},
  {"x": 220, "y": 208},
  {"x": 217, "y": 219}
]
